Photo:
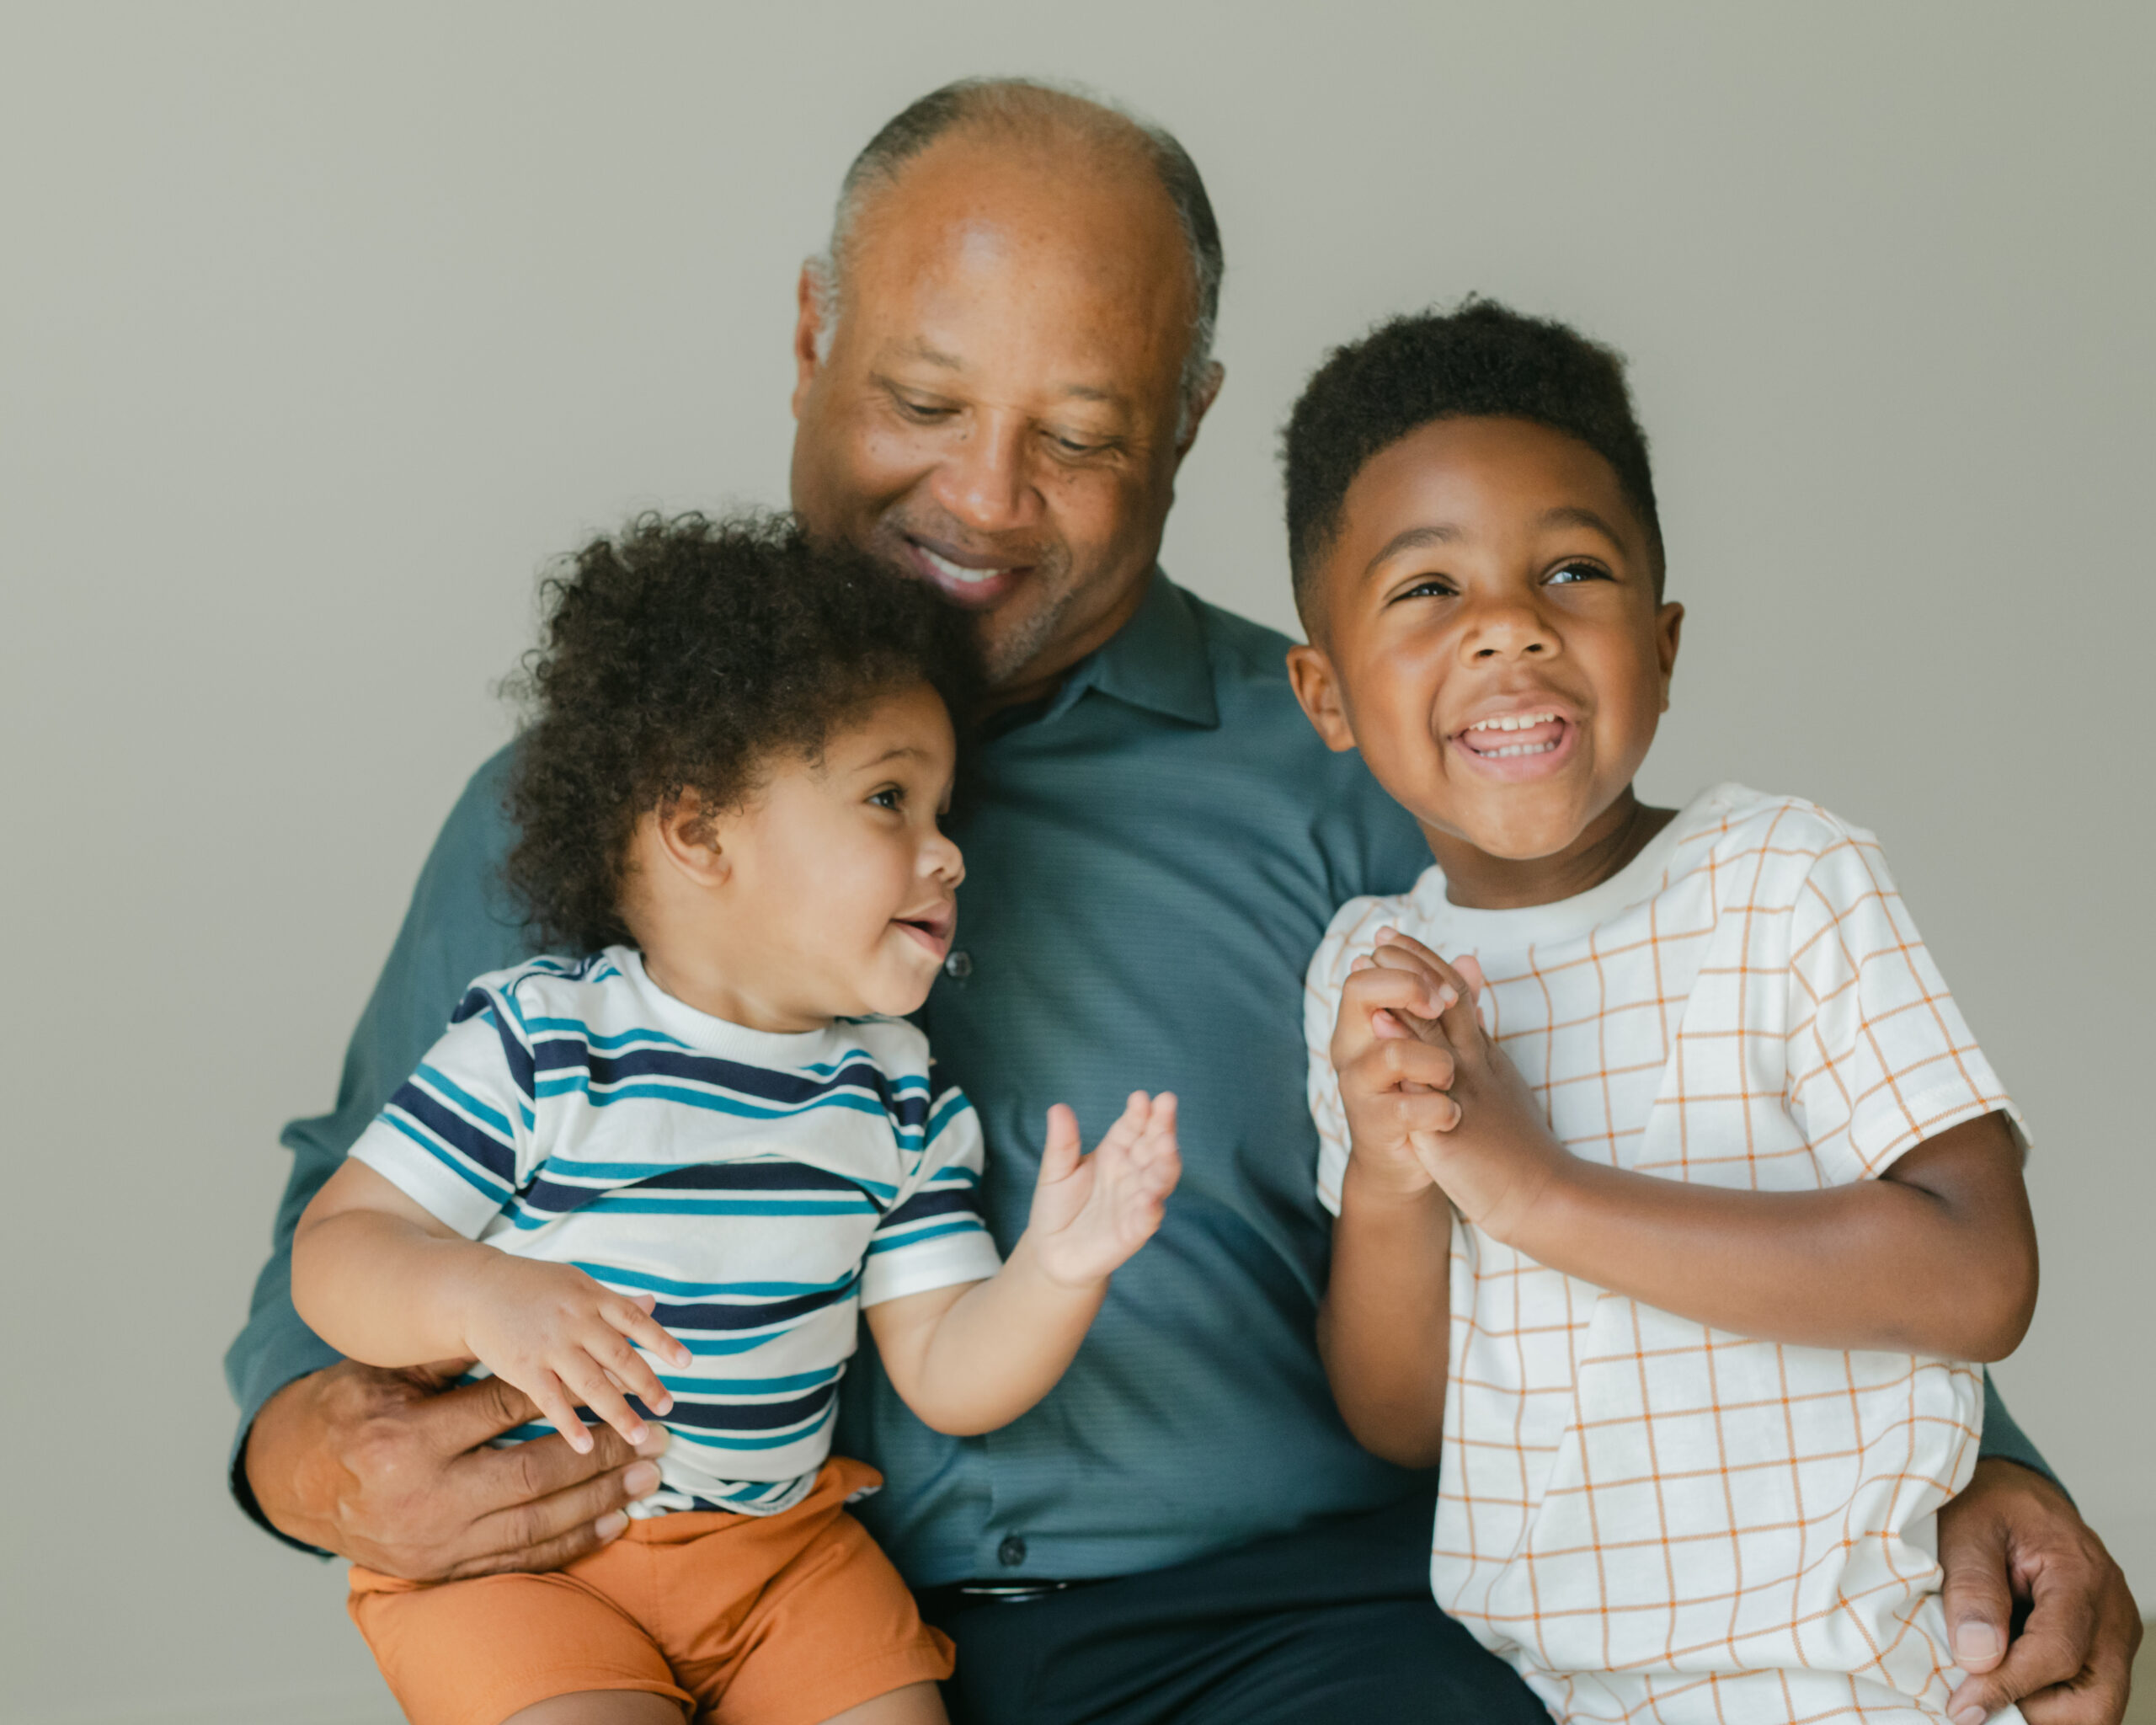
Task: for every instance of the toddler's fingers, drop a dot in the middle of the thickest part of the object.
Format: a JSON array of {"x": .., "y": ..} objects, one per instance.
[
  {"x": 558, "y": 1409},
  {"x": 1060, "y": 1155},
  {"x": 588, "y": 1379},
  {"x": 628, "y": 1371},
  {"x": 1460, "y": 1019},
  {"x": 632, "y": 1317}
]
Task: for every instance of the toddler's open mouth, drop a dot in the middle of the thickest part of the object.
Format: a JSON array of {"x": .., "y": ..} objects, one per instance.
[{"x": 933, "y": 929}]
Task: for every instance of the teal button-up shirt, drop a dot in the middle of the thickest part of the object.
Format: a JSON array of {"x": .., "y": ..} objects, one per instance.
[{"x": 1152, "y": 855}]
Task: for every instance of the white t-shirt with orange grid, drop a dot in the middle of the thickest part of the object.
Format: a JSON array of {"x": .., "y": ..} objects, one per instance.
[{"x": 1650, "y": 1518}]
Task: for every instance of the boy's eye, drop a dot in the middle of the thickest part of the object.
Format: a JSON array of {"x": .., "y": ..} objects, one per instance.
[
  {"x": 890, "y": 797},
  {"x": 1430, "y": 587},
  {"x": 1568, "y": 573}
]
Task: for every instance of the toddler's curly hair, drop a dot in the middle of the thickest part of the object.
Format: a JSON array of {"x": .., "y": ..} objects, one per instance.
[{"x": 687, "y": 653}]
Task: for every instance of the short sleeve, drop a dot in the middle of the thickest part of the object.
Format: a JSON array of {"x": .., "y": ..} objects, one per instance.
[
  {"x": 1321, "y": 985},
  {"x": 932, "y": 1235},
  {"x": 456, "y": 1138},
  {"x": 1879, "y": 1058}
]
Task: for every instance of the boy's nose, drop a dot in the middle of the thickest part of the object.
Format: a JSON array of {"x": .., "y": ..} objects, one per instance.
[{"x": 1508, "y": 628}]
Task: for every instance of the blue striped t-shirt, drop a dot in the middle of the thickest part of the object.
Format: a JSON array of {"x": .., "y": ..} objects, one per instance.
[{"x": 764, "y": 1187}]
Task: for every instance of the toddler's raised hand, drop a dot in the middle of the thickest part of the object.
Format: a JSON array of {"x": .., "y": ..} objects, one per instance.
[
  {"x": 562, "y": 1339},
  {"x": 1091, "y": 1212}
]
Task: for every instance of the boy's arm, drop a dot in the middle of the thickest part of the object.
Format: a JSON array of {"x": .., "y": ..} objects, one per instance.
[
  {"x": 970, "y": 1358},
  {"x": 1936, "y": 1256},
  {"x": 1384, "y": 1326}
]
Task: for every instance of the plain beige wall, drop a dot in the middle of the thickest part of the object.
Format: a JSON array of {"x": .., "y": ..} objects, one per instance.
[{"x": 321, "y": 328}]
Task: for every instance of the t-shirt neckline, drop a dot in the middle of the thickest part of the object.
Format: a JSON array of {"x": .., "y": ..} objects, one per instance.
[
  {"x": 713, "y": 1034},
  {"x": 1566, "y": 919}
]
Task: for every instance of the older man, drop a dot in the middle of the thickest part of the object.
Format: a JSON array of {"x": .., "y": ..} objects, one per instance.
[{"x": 1001, "y": 363}]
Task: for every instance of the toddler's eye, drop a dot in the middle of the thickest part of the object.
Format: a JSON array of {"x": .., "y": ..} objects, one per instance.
[
  {"x": 1571, "y": 572},
  {"x": 890, "y": 797},
  {"x": 1436, "y": 587}
]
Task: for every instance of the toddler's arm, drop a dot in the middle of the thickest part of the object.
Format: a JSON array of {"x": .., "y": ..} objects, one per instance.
[
  {"x": 1938, "y": 1256},
  {"x": 974, "y": 1356},
  {"x": 382, "y": 1280}
]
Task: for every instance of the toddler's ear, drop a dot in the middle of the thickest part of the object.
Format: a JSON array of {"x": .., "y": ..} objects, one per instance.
[
  {"x": 1317, "y": 687},
  {"x": 685, "y": 834}
]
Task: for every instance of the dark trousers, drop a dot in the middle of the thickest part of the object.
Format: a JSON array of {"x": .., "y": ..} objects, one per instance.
[{"x": 1333, "y": 1625}]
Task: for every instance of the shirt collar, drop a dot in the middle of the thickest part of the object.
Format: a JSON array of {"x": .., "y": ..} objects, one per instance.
[{"x": 1157, "y": 660}]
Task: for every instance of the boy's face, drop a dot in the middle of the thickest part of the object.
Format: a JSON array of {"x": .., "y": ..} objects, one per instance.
[
  {"x": 1486, "y": 633},
  {"x": 831, "y": 894}
]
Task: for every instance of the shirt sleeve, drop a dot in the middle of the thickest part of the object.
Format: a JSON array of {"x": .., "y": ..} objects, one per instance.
[
  {"x": 932, "y": 1235},
  {"x": 1879, "y": 1058},
  {"x": 1321, "y": 985},
  {"x": 457, "y": 1136}
]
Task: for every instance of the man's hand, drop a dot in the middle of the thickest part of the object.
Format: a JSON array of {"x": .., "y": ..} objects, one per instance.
[
  {"x": 391, "y": 1469},
  {"x": 1089, "y": 1214},
  {"x": 2011, "y": 1539}
]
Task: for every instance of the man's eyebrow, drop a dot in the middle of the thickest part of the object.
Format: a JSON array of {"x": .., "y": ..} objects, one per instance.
[
  {"x": 1413, "y": 539},
  {"x": 919, "y": 348}
]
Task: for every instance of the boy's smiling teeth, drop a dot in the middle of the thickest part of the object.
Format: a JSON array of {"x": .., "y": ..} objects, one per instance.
[
  {"x": 1477, "y": 738},
  {"x": 1515, "y": 722}
]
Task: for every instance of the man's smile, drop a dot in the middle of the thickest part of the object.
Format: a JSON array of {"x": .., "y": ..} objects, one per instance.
[{"x": 968, "y": 579}]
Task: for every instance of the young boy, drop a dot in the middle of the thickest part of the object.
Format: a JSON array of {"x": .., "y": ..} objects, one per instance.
[
  {"x": 1672, "y": 1192},
  {"x": 660, "y": 1182}
]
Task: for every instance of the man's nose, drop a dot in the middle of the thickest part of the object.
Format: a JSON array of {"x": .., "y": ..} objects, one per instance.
[{"x": 984, "y": 480}]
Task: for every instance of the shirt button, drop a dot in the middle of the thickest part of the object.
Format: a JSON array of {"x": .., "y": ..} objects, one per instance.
[
  {"x": 958, "y": 967},
  {"x": 1011, "y": 1552}
]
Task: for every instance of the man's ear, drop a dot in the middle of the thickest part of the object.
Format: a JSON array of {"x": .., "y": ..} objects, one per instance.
[
  {"x": 1668, "y": 625},
  {"x": 808, "y": 330},
  {"x": 685, "y": 835},
  {"x": 1199, "y": 404},
  {"x": 1317, "y": 687}
]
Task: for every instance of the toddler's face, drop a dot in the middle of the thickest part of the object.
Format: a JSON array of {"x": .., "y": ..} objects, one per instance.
[
  {"x": 1491, "y": 639},
  {"x": 838, "y": 893}
]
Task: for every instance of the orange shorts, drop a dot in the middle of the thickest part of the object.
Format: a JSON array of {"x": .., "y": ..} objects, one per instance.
[{"x": 745, "y": 1619}]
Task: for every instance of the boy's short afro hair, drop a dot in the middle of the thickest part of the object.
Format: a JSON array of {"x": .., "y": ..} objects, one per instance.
[
  {"x": 685, "y": 654},
  {"x": 1480, "y": 360}
]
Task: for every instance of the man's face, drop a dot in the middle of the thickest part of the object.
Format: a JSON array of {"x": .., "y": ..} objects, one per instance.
[{"x": 997, "y": 412}]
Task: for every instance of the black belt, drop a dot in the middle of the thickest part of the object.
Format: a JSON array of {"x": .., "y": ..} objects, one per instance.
[{"x": 960, "y": 1595}]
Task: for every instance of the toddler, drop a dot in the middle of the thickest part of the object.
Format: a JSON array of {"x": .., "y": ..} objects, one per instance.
[
  {"x": 1674, "y": 1199},
  {"x": 656, "y": 1182}
]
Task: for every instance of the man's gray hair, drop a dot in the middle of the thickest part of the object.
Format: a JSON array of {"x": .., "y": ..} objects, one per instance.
[{"x": 1027, "y": 106}]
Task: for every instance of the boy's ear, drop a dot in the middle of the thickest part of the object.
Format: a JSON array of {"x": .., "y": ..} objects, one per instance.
[
  {"x": 1317, "y": 687},
  {"x": 1668, "y": 625},
  {"x": 685, "y": 834}
]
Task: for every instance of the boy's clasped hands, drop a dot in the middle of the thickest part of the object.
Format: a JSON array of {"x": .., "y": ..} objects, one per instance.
[{"x": 1431, "y": 1098}]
